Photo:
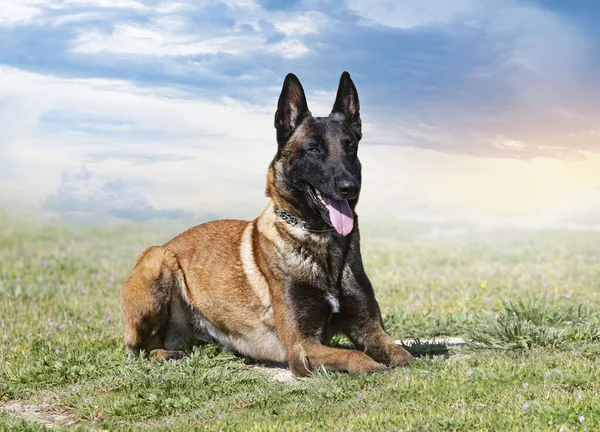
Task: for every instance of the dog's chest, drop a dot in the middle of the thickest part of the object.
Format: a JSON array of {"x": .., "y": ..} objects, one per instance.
[
  {"x": 322, "y": 270},
  {"x": 333, "y": 300},
  {"x": 316, "y": 266}
]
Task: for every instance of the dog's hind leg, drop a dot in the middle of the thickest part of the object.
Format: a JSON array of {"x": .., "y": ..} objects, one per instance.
[{"x": 145, "y": 301}]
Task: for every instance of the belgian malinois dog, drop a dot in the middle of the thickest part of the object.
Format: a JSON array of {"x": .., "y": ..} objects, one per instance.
[{"x": 279, "y": 287}]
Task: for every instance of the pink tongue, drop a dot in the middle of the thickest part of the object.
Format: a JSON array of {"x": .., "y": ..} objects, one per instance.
[{"x": 340, "y": 215}]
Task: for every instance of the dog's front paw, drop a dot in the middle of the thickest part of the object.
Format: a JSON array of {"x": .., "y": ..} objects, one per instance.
[
  {"x": 366, "y": 368},
  {"x": 163, "y": 355},
  {"x": 398, "y": 356},
  {"x": 360, "y": 364}
]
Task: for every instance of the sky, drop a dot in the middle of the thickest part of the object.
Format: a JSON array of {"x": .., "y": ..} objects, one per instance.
[{"x": 472, "y": 110}]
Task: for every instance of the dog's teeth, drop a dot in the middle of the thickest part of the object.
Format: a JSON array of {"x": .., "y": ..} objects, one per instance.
[{"x": 320, "y": 197}]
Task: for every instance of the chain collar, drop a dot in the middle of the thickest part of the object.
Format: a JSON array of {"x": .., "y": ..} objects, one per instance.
[{"x": 297, "y": 222}]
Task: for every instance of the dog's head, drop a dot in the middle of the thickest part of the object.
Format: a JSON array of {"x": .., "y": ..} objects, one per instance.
[{"x": 316, "y": 172}]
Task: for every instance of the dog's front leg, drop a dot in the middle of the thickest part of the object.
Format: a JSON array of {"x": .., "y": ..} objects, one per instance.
[
  {"x": 360, "y": 320},
  {"x": 307, "y": 354},
  {"x": 302, "y": 315}
]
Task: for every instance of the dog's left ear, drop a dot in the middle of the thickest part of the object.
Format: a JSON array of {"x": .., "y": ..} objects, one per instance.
[{"x": 347, "y": 104}]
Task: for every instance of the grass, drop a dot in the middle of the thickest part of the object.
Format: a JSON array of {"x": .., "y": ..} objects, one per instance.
[
  {"x": 539, "y": 323},
  {"x": 528, "y": 302}
]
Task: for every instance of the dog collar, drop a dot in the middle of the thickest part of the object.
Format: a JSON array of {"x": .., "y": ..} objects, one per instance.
[{"x": 292, "y": 220}]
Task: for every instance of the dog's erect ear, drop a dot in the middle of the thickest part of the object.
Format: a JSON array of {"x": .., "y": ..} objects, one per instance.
[
  {"x": 346, "y": 103},
  {"x": 291, "y": 108}
]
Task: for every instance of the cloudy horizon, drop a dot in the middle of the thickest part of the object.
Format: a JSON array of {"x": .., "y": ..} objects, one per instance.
[{"x": 474, "y": 111}]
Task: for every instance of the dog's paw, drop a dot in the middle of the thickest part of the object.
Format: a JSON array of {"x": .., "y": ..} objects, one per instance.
[
  {"x": 371, "y": 368},
  {"x": 162, "y": 355},
  {"x": 399, "y": 356},
  {"x": 363, "y": 364}
]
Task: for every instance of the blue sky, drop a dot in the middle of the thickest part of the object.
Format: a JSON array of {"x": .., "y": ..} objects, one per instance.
[{"x": 173, "y": 100}]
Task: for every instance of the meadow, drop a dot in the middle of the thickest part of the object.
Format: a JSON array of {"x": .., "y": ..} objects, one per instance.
[{"x": 526, "y": 303}]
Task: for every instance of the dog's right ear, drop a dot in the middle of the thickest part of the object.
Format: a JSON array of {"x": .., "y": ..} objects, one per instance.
[{"x": 291, "y": 109}]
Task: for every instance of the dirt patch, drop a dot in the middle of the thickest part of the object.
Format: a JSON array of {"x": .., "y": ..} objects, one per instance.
[
  {"x": 280, "y": 373},
  {"x": 43, "y": 413},
  {"x": 276, "y": 371}
]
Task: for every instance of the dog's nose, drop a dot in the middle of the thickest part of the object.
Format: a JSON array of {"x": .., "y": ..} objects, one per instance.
[{"x": 348, "y": 188}]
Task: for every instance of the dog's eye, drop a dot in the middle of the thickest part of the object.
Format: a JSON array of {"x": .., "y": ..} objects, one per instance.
[
  {"x": 350, "y": 146},
  {"x": 315, "y": 150}
]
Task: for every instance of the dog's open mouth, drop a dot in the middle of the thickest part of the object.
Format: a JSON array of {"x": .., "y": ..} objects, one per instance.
[{"x": 336, "y": 213}]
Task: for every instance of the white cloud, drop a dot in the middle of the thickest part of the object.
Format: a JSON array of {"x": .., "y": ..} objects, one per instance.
[
  {"x": 160, "y": 40},
  {"x": 411, "y": 13},
  {"x": 289, "y": 48},
  {"x": 15, "y": 12},
  {"x": 169, "y": 29},
  {"x": 508, "y": 144},
  {"x": 112, "y": 4},
  {"x": 300, "y": 23},
  {"x": 19, "y": 12},
  {"x": 49, "y": 122},
  {"x": 169, "y": 32},
  {"x": 73, "y": 18},
  {"x": 122, "y": 102},
  {"x": 82, "y": 194},
  {"x": 537, "y": 69},
  {"x": 544, "y": 48}
]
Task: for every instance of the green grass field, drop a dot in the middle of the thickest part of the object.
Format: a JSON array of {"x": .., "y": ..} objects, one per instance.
[{"x": 527, "y": 302}]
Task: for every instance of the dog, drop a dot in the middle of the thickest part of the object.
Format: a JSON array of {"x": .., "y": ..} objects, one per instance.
[{"x": 277, "y": 288}]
